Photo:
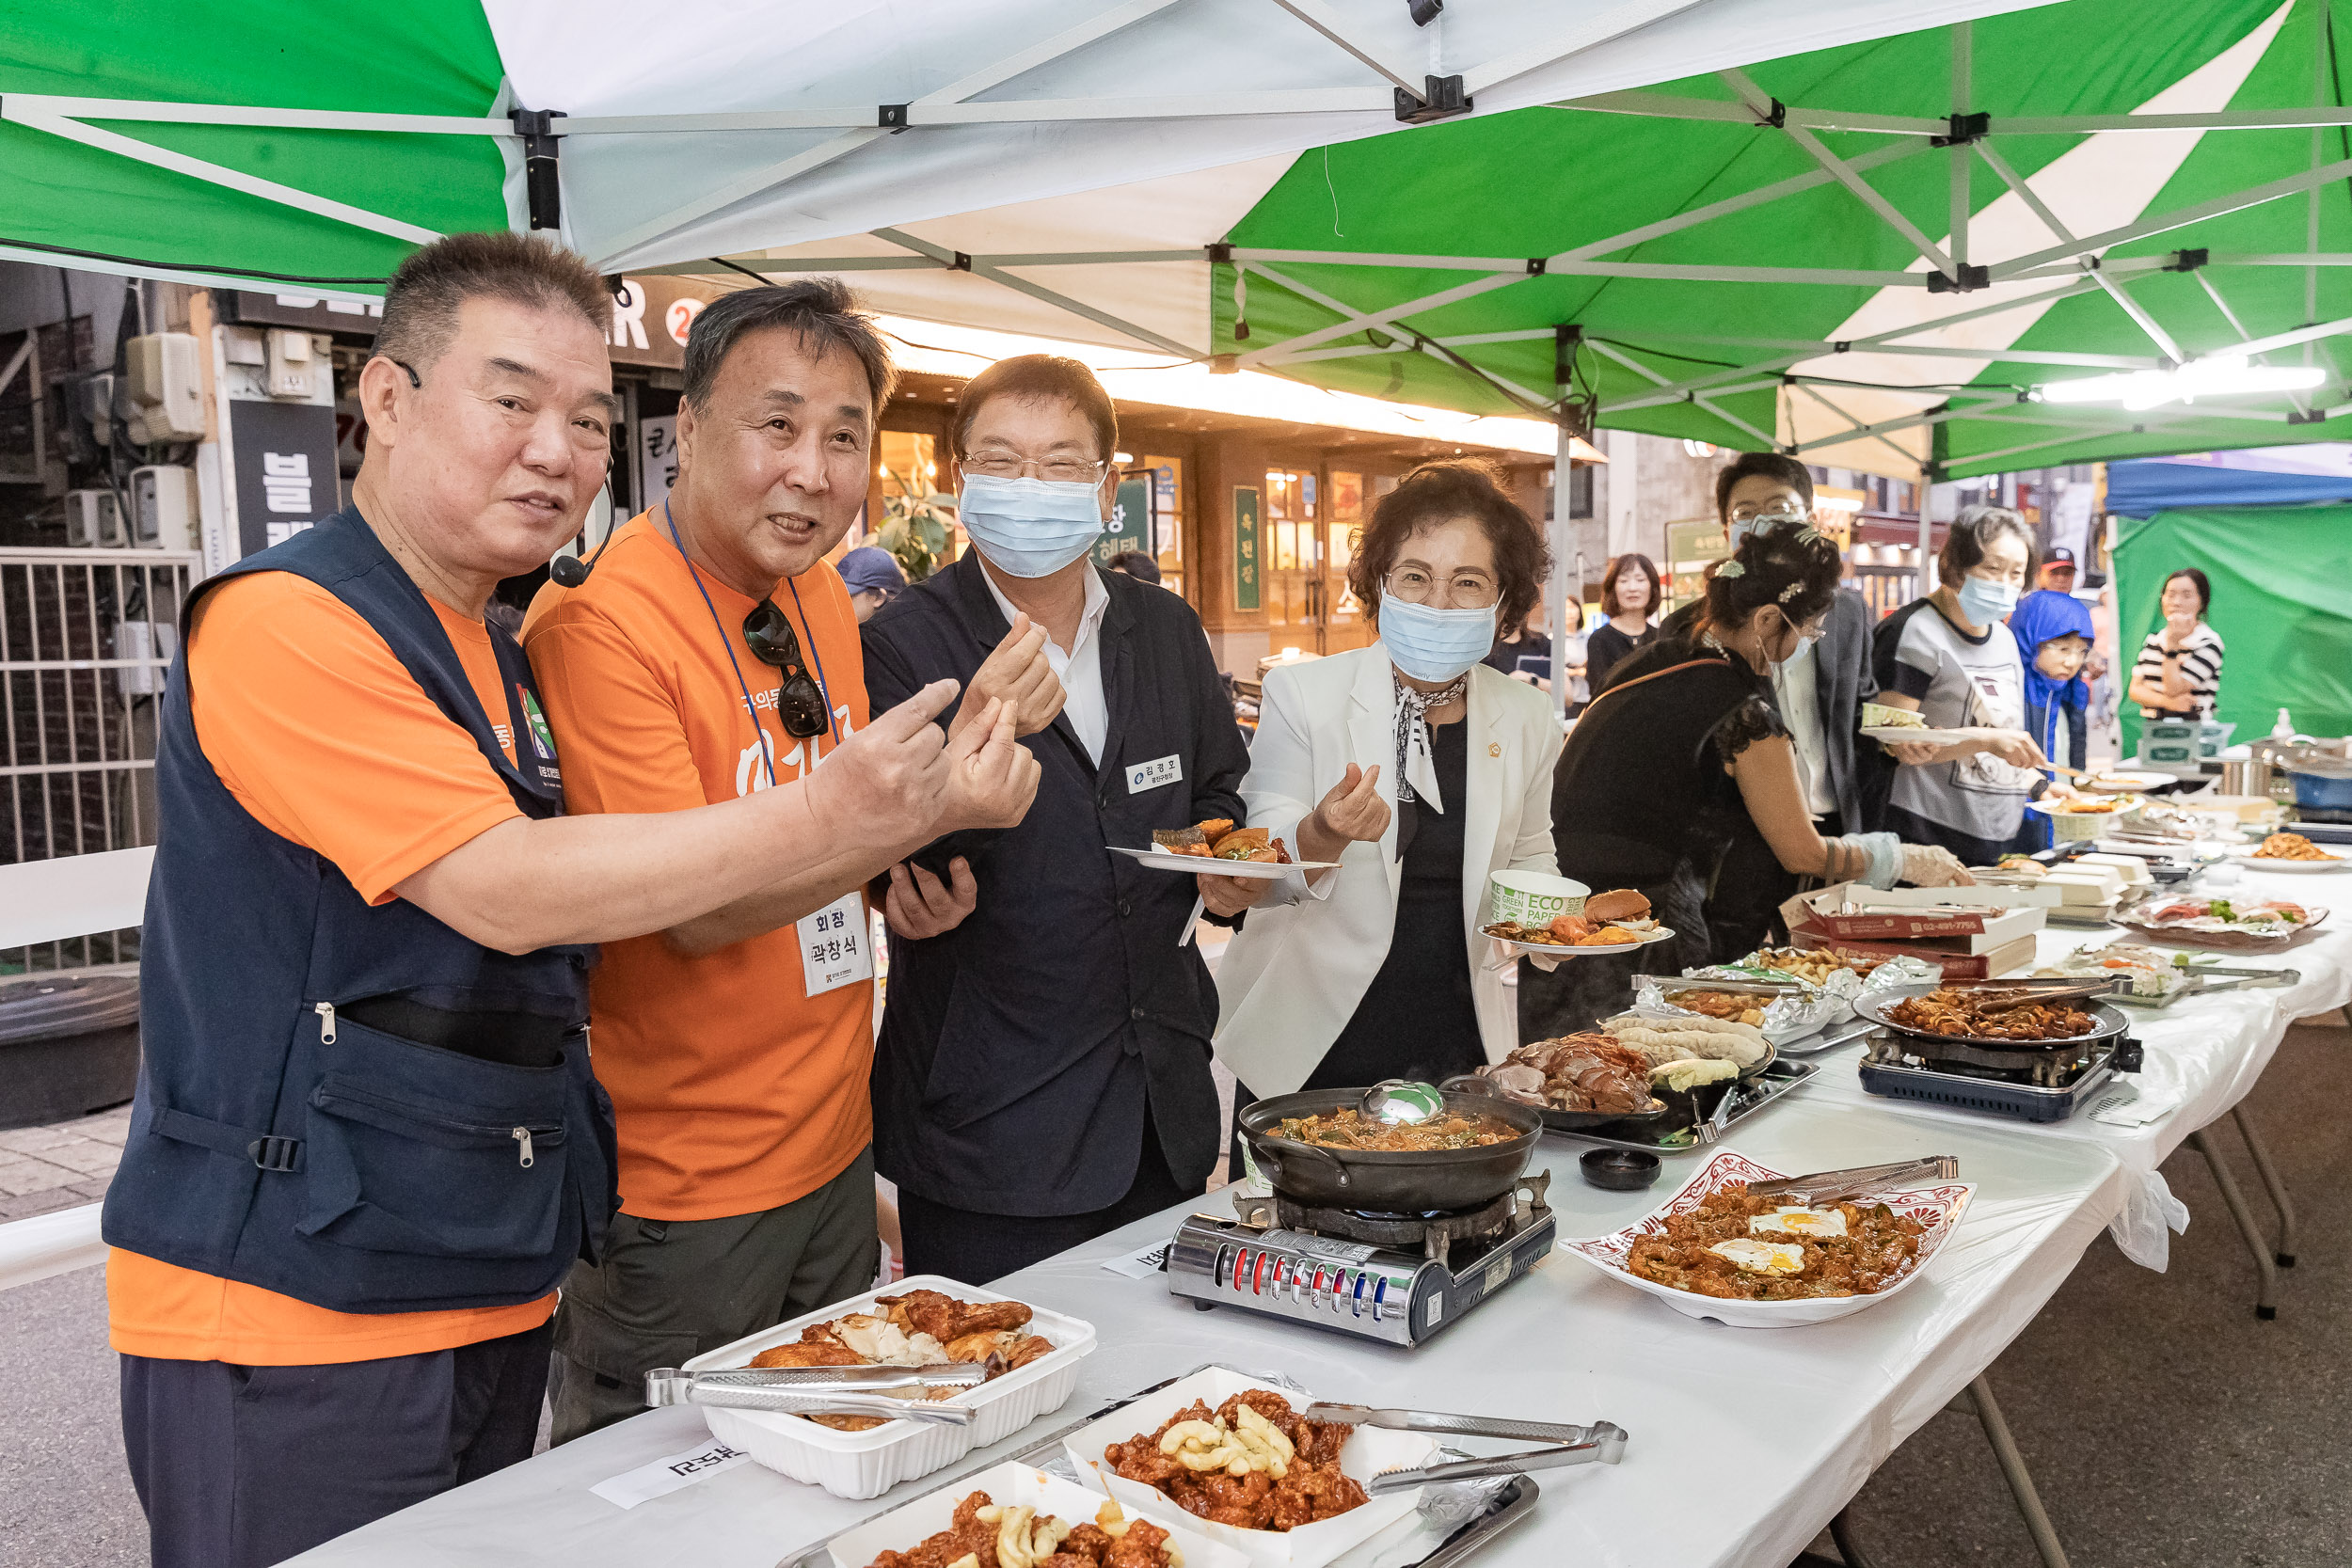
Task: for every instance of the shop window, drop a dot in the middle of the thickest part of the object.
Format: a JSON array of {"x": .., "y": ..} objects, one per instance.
[{"x": 1167, "y": 476}]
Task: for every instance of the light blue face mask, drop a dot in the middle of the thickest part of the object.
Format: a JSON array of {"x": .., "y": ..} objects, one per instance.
[
  {"x": 1030, "y": 527},
  {"x": 1432, "y": 644},
  {"x": 1984, "y": 602}
]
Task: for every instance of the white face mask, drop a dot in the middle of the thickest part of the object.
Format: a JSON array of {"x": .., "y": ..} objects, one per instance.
[{"x": 1030, "y": 527}]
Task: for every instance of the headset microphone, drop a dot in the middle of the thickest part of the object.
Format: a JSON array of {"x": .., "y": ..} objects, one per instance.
[{"x": 570, "y": 571}]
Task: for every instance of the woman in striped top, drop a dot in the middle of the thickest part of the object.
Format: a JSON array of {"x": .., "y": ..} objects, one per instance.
[{"x": 2179, "y": 672}]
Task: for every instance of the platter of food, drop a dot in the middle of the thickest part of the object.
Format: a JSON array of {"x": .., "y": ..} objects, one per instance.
[
  {"x": 1299, "y": 1498},
  {"x": 2222, "y": 922},
  {"x": 1713, "y": 1251},
  {"x": 1811, "y": 964},
  {"x": 1617, "y": 921},
  {"x": 1239, "y": 851},
  {"x": 2290, "y": 852},
  {"x": 926, "y": 1320},
  {"x": 1915, "y": 735},
  {"x": 1577, "y": 1081},
  {"x": 2075, "y": 805},
  {"x": 2123, "y": 781},
  {"x": 1015, "y": 1515},
  {"x": 1678, "y": 1135},
  {"x": 1646, "y": 1069},
  {"x": 2006, "y": 1017}
]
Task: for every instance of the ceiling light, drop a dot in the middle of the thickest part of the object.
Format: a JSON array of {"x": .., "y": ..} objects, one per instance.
[{"x": 2216, "y": 375}]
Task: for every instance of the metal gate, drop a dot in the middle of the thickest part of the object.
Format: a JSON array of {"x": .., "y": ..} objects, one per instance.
[{"x": 86, "y": 637}]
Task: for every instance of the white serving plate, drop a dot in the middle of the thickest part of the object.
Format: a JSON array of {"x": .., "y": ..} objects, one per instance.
[
  {"x": 1013, "y": 1484},
  {"x": 1369, "y": 1450},
  {"x": 2124, "y": 782},
  {"x": 2052, "y": 806},
  {"x": 1550, "y": 951},
  {"x": 1939, "y": 1208},
  {"x": 868, "y": 1463},
  {"x": 1160, "y": 860},
  {"x": 1917, "y": 736},
  {"x": 2293, "y": 868}
]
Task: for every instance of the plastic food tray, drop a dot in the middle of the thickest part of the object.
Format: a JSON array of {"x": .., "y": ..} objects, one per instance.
[{"x": 868, "y": 1463}]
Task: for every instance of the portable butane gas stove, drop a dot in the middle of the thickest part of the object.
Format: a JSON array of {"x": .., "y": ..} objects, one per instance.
[
  {"x": 1400, "y": 1278},
  {"x": 2029, "y": 1084}
]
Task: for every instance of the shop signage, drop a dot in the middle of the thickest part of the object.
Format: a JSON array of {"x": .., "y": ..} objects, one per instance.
[
  {"x": 650, "y": 318},
  {"x": 286, "y": 478},
  {"x": 1245, "y": 546},
  {"x": 1130, "y": 527}
]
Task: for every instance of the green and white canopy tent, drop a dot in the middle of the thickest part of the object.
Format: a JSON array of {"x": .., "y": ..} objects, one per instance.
[
  {"x": 1881, "y": 255},
  {"x": 284, "y": 140}
]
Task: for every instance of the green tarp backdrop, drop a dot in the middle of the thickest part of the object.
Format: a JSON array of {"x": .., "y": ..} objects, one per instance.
[{"x": 2281, "y": 601}]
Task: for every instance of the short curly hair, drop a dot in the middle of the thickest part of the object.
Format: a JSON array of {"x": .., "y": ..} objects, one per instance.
[
  {"x": 1784, "y": 568},
  {"x": 1436, "y": 493}
]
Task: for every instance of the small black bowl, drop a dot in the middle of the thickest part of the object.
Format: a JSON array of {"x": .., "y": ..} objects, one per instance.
[{"x": 1619, "y": 1170}]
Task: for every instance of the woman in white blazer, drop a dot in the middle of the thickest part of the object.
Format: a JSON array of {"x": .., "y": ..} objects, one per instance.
[{"x": 1377, "y": 969}]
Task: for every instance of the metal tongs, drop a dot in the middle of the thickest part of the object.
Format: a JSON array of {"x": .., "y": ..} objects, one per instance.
[
  {"x": 1602, "y": 1443},
  {"x": 818, "y": 1390},
  {"x": 1828, "y": 1186},
  {"x": 1996, "y": 996}
]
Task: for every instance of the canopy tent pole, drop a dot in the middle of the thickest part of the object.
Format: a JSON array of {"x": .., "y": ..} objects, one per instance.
[{"x": 1563, "y": 537}]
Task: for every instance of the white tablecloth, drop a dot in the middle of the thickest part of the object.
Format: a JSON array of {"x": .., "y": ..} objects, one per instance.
[
  {"x": 1743, "y": 1441},
  {"x": 2208, "y": 1050}
]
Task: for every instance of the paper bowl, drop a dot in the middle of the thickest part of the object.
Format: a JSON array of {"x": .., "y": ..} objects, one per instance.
[
  {"x": 1013, "y": 1484},
  {"x": 1938, "y": 1208},
  {"x": 1532, "y": 897},
  {"x": 1369, "y": 1450}
]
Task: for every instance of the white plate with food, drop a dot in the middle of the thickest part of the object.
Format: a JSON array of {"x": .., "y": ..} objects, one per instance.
[
  {"x": 2123, "y": 782},
  {"x": 1016, "y": 1509},
  {"x": 1777, "y": 1265},
  {"x": 2222, "y": 922},
  {"x": 856, "y": 1457},
  {"x": 1916, "y": 736},
  {"x": 2289, "y": 852},
  {"x": 1581, "y": 949},
  {"x": 1211, "y": 866},
  {"x": 2112, "y": 806},
  {"x": 1201, "y": 1414}
]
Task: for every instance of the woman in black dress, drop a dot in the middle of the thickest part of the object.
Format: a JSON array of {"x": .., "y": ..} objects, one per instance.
[
  {"x": 1682, "y": 756},
  {"x": 1630, "y": 593}
]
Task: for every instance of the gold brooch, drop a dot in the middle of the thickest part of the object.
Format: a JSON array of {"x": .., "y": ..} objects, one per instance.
[{"x": 1494, "y": 748}]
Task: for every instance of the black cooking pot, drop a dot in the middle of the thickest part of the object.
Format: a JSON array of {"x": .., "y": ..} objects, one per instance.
[{"x": 1388, "y": 1183}]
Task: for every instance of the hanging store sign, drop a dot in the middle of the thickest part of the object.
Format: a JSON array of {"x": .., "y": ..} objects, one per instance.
[
  {"x": 286, "y": 469},
  {"x": 1247, "y": 542},
  {"x": 1130, "y": 527}
]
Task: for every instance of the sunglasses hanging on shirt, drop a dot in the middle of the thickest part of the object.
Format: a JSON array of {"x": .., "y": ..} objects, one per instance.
[{"x": 799, "y": 704}]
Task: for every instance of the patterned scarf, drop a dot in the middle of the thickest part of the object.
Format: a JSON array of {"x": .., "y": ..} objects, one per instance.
[{"x": 1412, "y": 704}]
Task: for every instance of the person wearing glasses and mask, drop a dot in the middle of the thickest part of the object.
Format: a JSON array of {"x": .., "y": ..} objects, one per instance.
[
  {"x": 712, "y": 654},
  {"x": 1818, "y": 692},
  {"x": 1421, "y": 770},
  {"x": 1042, "y": 1072},
  {"x": 1682, "y": 758},
  {"x": 1947, "y": 657}
]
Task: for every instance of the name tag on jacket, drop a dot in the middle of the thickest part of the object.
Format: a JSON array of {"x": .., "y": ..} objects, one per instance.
[{"x": 1155, "y": 774}]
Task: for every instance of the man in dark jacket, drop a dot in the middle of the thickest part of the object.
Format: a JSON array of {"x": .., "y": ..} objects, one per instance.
[
  {"x": 1043, "y": 1074},
  {"x": 1820, "y": 693}
]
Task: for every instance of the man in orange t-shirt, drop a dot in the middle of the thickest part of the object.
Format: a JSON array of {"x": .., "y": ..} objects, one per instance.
[
  {"x": 709, "y": 654},
  {"x": 367, "y": 1144}
]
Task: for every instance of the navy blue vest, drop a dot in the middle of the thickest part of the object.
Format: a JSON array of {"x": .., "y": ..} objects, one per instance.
[{"x": 278, "y": 1143}]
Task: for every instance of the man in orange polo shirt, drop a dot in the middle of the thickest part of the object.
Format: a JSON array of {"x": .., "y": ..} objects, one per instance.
[
  {"x": 367, "y": 1145},
  {"x": 711, "y": 655}
]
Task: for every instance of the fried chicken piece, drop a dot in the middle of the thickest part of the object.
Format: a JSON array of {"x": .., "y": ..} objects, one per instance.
[
  {"x": 975, "y": 1317},
  {"x": 1320, "y": 1442},
  {"x": 1313, "y": 1492},
  {"x": 808, "y": 1353},
  {"x": 1142, "y": 1546},
  {"x": 971, "y": 1347},
  {"x": 1244, "y": 1501},
  {"x": 1028, "y": 1348},
  {"x": 1089, "y": 1540}
]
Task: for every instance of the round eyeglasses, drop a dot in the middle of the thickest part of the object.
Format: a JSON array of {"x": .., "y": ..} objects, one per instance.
[{"x": 1469, "y": 589}]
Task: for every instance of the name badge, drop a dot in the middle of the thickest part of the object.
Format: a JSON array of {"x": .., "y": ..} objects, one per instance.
[
  {"x": 1155, "y": 774},
  {"x": 836, "y": 949}
]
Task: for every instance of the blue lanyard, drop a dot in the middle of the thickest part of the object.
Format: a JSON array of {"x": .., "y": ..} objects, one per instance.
[{"x": 767, "y": 753}]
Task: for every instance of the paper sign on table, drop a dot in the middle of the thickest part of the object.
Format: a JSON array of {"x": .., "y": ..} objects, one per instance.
[{"x": 667, "y": 1474}]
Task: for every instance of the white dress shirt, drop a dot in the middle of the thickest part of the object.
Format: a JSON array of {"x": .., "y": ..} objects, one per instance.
[
  {"x": 1796, "y": 684},
  {"x": 1080, "y": 668}
]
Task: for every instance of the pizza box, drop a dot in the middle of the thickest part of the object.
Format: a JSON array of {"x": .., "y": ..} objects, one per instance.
[
  {"x": 1986, "y": 915},
  {"x": 1950, "y": 953}
]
